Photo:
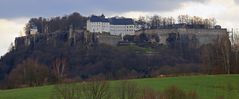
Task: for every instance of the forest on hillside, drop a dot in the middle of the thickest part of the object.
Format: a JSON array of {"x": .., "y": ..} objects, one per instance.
[
  {"x": 46, "y": 63},
  {"x": 56, "y": 24}
]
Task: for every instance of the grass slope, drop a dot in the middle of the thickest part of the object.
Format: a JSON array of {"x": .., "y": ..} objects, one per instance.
[{"x": 208, "y": 87}]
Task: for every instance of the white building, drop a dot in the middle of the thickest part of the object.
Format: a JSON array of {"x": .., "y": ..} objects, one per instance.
[
  {"x": 98, "y": 24},
  {"x": 33, "y": 30},
  {"x": 122, "y": 26},
  {"x": 114, "y": 26}
]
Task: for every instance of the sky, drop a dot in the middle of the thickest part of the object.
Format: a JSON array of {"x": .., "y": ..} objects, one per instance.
[{"x": 14, "y": 14}]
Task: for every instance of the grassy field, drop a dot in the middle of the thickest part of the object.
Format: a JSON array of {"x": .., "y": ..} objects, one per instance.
[{"x": 208, "y": 87}]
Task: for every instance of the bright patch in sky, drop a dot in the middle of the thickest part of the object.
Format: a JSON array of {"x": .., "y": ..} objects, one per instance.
[
  {"x": 9, "y": 29},
  {"x": 225, "y": 11}
]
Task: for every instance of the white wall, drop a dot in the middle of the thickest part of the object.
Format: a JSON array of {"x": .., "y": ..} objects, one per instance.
[
  {"x": 98, "y": 26},
  {"x": 33, "y": 31},
  {"x": 122, "y": 29}
]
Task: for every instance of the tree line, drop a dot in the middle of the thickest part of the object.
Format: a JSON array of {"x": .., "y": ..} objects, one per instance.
[
  {"x": 157, "y": 22},
  {"x": 56, "y": 24}
]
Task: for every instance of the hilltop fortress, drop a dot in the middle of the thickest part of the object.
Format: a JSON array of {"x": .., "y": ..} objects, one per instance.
[
  {"x": 118, "y": 48},
  {"x": 112, "y": 31}
]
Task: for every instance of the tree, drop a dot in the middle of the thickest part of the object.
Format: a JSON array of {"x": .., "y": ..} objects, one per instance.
[
  {"x": 29, "y": 73},
  {"x": 235, "y": 50},
  {"x": 226, "y": 53},
  {"x": 67, "y": 91},
  {"x": 223, "y": 52},
  {"x": 155, "y": 22},
  {"x": 56, "y": 24},
  {"x": 170, "y": 21},
  {"x": 142, "y": 22},
  {"x": 59, "y": 66},
  {"x": 96, "y": 90},
  {"x": 213, "y": 22}
]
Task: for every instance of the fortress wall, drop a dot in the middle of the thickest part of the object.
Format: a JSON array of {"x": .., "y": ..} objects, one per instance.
[
  {"x": 204, "y": 36},
  {"x": 109, "y": 39},
  {"x": 65, "y": 37}
]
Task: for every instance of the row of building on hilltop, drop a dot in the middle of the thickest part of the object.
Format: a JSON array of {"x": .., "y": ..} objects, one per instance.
[
  {"x": 114, "y": 26},
  {"x": 120, "y": 26}
]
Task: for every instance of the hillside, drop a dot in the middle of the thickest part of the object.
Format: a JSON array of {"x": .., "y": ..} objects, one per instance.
[
  {"x": 207, "y": 87},
  {"x": 61, "y": 48},
  {"x": 85, "y": 61}
]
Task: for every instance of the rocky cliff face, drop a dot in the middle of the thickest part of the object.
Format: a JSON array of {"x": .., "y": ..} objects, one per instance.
[
  {"x": 60, "y": 38},
  {"x": 203, "y": 36}
]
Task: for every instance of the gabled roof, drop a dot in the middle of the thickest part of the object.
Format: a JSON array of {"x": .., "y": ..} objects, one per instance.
[
  {"x": 121, "y": 21},
  {"x": 94, "y": 18},
  {"x": 113, "y": 21}
]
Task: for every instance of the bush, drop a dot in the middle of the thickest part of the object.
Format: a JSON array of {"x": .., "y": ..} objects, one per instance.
[
  {"x": 67, "y": 91},
  {"x": 127, "y": 90}
]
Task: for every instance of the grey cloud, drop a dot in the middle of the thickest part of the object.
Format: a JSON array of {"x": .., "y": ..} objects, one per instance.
[
  {"x": 237, "y": 1},
  {"x": 33, "y": 8}
]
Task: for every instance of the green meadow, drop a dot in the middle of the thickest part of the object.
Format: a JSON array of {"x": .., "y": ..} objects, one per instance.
[{"x": 207, "y": 87}]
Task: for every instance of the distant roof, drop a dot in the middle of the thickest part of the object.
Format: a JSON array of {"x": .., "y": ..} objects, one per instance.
[
  {"x": 33, "y": 27},
  {"x": 113, "y": 21},
  {"x": 94, "y": 18},
  {"x": 121, "y": 21}
]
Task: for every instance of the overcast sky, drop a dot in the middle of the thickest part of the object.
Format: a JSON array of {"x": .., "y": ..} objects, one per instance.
[{"x": 14, "y": 14}]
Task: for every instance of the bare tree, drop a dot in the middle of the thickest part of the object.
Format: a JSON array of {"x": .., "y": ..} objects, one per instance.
[
  {"x": 142, "y": 22},
  {"x": 155, "y": 21},
  {"x": 86, "y": 90},
  {"x": 223, "y": 52},
  {"x": 235, "y": 48},
  {"x": 171, "y": 20},
  {"x": 207, "y": 23},
  {"x": 180, "y": 19},
  {"x": 59, "y": 66},
  {"x": 226, "y": 52},
  {"x": 67, "y": 91},
  {"x": 96, "y": 90},
  {"x": 28, "y": 73},
  {"x": 213, "y": 22}
]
